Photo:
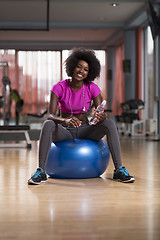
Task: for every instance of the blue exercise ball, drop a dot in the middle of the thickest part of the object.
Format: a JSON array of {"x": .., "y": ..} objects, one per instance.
[{"x": 77, "y": 158}]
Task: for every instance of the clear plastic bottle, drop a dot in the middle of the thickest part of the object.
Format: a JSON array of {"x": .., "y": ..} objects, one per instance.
[{"x": 100, "y": 108}]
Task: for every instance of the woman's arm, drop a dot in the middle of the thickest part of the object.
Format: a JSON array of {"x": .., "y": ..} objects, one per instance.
[
  {"x": 101, "y": 115},
  {"x": 97, "y": 100},
  {"x": 52, "y": 110}
]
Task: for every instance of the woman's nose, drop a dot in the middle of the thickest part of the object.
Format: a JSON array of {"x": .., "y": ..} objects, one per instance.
[{"x": 81, "y": 70}]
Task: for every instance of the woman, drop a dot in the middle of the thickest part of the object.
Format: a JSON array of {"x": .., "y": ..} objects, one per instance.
[{"x": 73, "y": 97}]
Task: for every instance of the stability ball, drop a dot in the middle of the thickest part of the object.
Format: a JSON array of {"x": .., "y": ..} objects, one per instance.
[{"x": 77, "y": 158}]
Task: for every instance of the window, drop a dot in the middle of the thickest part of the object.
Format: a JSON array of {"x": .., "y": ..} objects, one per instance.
[
  {"x": 33, "y": 73},
  {"x": 38, "y": 71}
]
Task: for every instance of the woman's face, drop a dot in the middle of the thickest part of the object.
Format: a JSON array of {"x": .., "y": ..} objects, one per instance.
[{"x": 81, "y": 70}]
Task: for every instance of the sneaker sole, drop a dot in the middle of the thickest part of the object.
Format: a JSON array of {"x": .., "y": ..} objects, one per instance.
[
  {"x": 30, "y": 182},
  {"x": 127, "y": 181}
]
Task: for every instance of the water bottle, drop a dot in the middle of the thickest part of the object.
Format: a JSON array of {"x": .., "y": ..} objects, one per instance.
[{"x": 100, "y": 108}]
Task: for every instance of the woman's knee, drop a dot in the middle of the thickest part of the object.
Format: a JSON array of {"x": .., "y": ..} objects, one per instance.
[
  {"x": 109, "y": 123},
  {"x": 48, "y": 124}
]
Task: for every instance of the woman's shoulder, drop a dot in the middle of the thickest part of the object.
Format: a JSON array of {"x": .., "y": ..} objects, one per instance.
[
  {"x": 62, "y": 83},
  {"x": 91, "y": 85},
  {"x": 93, "y": 89}
]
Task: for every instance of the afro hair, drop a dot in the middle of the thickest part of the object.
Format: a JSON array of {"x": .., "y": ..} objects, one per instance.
[{"x": 86, "y": 55}]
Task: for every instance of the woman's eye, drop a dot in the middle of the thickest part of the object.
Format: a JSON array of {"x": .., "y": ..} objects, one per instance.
[{"x": 85, "y": 69}]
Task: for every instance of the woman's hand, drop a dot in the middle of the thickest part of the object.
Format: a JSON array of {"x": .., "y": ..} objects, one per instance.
[
  {"x": 100, "y": 116},
  {"x": 73, "y": 121}
]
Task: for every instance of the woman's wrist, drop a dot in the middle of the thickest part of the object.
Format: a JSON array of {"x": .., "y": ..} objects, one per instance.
[{"x": 56, "y": 119}]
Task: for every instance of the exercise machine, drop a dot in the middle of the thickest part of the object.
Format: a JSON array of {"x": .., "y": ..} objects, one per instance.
[
  {"x": 5, "y": 98},
  {"x": 5, "y": 114},
  {"x": 129, "y": 122}
]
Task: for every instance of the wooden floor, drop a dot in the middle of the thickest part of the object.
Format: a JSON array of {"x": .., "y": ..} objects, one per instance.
[{"x": 85, "y": 209}]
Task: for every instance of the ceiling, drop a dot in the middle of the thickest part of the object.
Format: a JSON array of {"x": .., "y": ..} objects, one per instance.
[{"x": 63, "y": 24}]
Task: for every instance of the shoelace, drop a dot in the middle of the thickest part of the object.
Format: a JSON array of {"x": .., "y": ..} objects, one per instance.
[
  {"x": 36, "y": 174},
  {"x": 124, "y": 171}
]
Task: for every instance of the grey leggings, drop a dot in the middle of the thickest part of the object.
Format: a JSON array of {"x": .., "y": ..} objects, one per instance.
[{"x": 56, "y": 133}]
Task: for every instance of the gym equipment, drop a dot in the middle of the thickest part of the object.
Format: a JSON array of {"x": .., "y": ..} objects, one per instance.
[
  {"x": 16, "y": 129},
  {"x": 5, "y": 104},
  {"x": 5, "y": 99},
  {"x": 129, "y": 122},
  {"x": 36, "y": 116},
  {"x": 78, "y": 158}
]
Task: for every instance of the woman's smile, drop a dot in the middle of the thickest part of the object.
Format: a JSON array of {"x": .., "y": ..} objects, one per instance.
[{"x": 81, "y": 70}]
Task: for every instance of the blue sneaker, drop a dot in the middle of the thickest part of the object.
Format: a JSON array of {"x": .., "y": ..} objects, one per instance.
[
  {"x": 122, "y": 175},
  {"x": 38, "y": 177}
]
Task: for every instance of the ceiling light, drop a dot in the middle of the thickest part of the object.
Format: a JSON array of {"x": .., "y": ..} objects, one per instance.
[{"x": 114, "y": 4}]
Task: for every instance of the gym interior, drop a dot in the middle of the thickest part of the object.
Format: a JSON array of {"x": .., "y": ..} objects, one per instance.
[{"x": 35, "y": 39}]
